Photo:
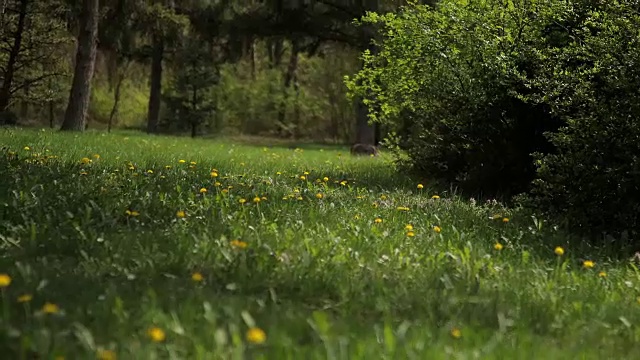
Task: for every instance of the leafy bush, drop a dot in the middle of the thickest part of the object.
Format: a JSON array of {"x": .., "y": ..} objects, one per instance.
[
  {"x": 450, "y": 80},
  {"x": 592, "y": 82},
  {"x": 478, "y": 90}
]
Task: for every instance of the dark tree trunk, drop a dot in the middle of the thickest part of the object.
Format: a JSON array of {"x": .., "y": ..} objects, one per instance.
[
  {"x": 275, "y": 50},
  {"x": 78, "y": 106},
  {"x": 5, "y": 91},
  {"x": 153, "y": 114},
  {"x": 365, "y": 132},
  {"x": 116, "y": 100},
  {"x": 289, "y": 78}
]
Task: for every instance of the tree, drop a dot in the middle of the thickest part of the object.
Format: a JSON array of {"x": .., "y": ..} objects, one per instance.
[
  {"x": 33, "y": 47},
  {"x": 78, "y": 105}
]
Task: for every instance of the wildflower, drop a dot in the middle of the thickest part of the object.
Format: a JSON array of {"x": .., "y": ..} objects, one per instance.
[
  {"x": 495, "y": 217},
  {"x": 84, "y": 173},
  {"x": 167, "y": 167},
  {"x": 96, "y": 156},
  {"x": 181, "y": 214},
  {"x": 456, "y": 333},
  {"x": 214, "y": 174},
  {"x": 302, "y": 177},
  {"x": 5, "y": 280},
  {"x": 437, "y": 229},
  {"x": 325, "y": 179},
  {"x": 588, "y": 264},
  {"x": 256, "y": 199},
  {"x": 197, "y": 277},
  {"x": 602, "y": 274},
  {"x": 106, "y": 354},
  {"x": 224, "y": 191},
  {"x": 193, "y": 163},
  {"x": 203, "y": 190},
  {"x": 264, "y": 198},
  {"x": 411, "y": 234},
  {"x": 50, "y": 308},
  {"x": 217, "y": 184},
  {"x": 498, "y": 246},
  {"x": 132, "y": 213},
  {"x": 238, "y": 244},
  {"x": 435, "y": 197},
  {"x": 505, "y": 220},
  {"x": 319, "y": 196},
  {"x": 85, "y": 160},
  {"x": 278, "y": 173},
  {"x": 27, "y": 148},
  {"x": 343, "y": 182},
  {"x": 182, "y": 161},
  {"x": 420, "y": 186},
  {"x": 242, "y": 201},
  {"x": 24, "y": 298},
  {"x": 256, "y": 335},
  {"x": 408, "y": 227},
  {"x": 559, "y": 251},
  {"x": 156, "y": 334},
  {"x": 383, "y": 197},
  {"x": 299, "y": 198},
  {"x": 402, "y": 208},
  {"x": 306, "y": 173},
  {"x": 377, "y": 220},
  {"x": 375, "y": 205}
]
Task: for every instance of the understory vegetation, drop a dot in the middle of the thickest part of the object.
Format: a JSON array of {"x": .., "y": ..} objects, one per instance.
[{"x": 134, "y": 247}]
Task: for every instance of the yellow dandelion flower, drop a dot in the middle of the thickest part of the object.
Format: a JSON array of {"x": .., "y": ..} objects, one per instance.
[
  {"x": 437, "y": 229},
  {"x": 375, "y": 205},
  {"x": 181, "y": 161},
  {"x": 156, "y": 334},
  {"x": 149, "y": 171},
  {"x": 505, "y": 220},
  {"x": 85, "y": 160},
  {"x": 256, "y": 335},
  {"x": 192, "y": 163},
  {"x": 25, "y": 298},
  {"x": 435, "y": 197},
  {"x": 224, "y": 191},
  {"x": 343, "y": 182},
  {"x": 306, "y": 173},
  {"x": 181, "y": 214},
  {"x": 420, "y": 186},
  {"x": 50, "y": 308},
  {"x": 402, "y": 208},
  {"x": 411, "y": 234},
  {"x": 456, "y": 333},
  {"x": 197, "y": 277},
  {"x": 96, "y": 156},
  {"x": 319, "y": 196},
  {"x": 325, "y": 179},
  {"x": 256, "y": 199},
  {"x": 242, "y": 201},
  {"x": 238, "y": 244},
  {"x": 5, "y": 280},
  {"x": 217, "y": 184},
  {"x": 27, "y": 148},
  {"x": 383, "y": 197},
  {"x": 264, "y": 198},
  {"x": 588, "y": 264},
  {"x": 408, "y": 227},
  {"x": 559, "y": 251},
  {"x": 498, "y": 246},
  {"x": 167, "y": 167},
  {"x": 203, "y": 190},
  {"x": 214, "y": 174},
  {"x": 103, "y": 354},
  {"x": 377, "y": 220},
  {"x": 302, "y": 177},
  {"x": 602, "y": 274},
  {"x": 278, "y": 173},
  {"x": 84, "y": 173}
]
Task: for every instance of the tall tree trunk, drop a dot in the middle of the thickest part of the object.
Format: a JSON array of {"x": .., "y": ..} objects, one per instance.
[
  {"x": 153, "y": 113},
  {"x": 78, "y": 106},
  {"x": 5, "y": 91},
  {"x": 51, "y": 116},
  {"x": 289, "y": 78},
  {"x": 116, "y": 100},
  {"x": 365, "y": 132}
]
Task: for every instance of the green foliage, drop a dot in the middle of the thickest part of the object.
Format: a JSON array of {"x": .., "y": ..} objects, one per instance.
[
  {"x": 590, "y": 79},
  {"x": 191, "y": 99},
  {"x": 320, "y": 276}
]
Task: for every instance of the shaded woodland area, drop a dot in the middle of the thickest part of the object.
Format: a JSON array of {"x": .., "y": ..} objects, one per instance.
[{"x": 253, "y": 67}]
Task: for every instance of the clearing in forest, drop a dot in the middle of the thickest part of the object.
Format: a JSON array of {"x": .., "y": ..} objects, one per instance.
[{"x": 135, "y": 247}]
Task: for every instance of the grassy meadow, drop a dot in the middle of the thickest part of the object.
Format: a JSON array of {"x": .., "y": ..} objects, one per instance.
[{"x": 126, "y": 246}]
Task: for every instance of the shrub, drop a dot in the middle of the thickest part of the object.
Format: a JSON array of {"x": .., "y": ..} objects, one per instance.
[{"x": 449, "y": 79}]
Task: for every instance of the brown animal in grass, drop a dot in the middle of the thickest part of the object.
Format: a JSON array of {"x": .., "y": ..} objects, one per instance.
[{"x": 364, "y": 149}]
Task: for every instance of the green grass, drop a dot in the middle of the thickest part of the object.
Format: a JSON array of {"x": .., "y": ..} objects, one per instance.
[{"x": 320, "y": 277}]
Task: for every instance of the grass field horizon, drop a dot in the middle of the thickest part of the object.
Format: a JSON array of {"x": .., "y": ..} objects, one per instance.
[{"x": 129, "y": 246}]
